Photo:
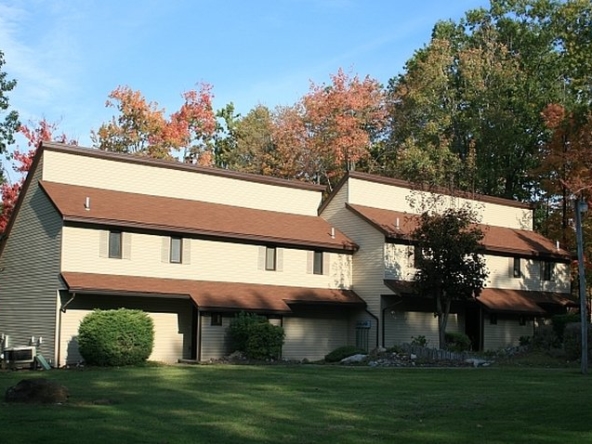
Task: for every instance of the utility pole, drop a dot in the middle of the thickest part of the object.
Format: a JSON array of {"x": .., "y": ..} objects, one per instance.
[{"x": 582, "y": 207}]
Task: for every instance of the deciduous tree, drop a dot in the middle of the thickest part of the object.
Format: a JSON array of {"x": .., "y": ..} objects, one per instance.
[
  {"x": 141, "y": 128},
  {"x": 10, "y": 122},
  {"x": 450, "y": 267},
  {"x": 331, "y": 129}
]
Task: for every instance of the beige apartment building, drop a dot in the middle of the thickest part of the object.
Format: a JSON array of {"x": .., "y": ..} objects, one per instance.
[{"x": 193, "y": 246}]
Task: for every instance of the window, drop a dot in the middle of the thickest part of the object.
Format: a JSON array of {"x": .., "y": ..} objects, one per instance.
[
  {"x": 417, "y": 255},
  {"x": 216, "y": 319},
  {"x": 270, "y": 258},
  {"x": 522, "y": 320},
  {"x": 176, "y": 249},
  {"x": 516, "y": 270},
  {"x": 317, "y": 267},
  {"x": 115, "y": 244},
  {"x": 547, "y": 271},
  {"x": 493, "y": 318}
]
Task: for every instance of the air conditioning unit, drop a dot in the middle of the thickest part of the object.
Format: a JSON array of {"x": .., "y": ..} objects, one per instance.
[{"x": 19, "y": 355}]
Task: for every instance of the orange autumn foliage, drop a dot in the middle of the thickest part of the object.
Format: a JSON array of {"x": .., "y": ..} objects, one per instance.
[{"x": 141, "y": 128}]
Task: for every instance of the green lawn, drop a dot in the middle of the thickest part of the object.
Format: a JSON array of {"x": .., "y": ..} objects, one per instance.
[{"x": 306, "y": 404}]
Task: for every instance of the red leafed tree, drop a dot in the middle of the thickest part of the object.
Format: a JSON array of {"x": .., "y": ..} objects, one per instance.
[
  {"x": 568, "y": 154},
  {"x": 35, "y": 133},
  {"x": 142, "y": 128},
  {"x": 331, "y": 128}
]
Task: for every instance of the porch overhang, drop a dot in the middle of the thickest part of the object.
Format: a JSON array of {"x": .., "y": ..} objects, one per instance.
[
  {"x": 500, "y": 300},
  {"x": 211, "y": 295}
]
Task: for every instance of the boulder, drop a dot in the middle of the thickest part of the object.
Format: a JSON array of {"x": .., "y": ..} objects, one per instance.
[
  {"x": 37, "y": 391},
  {"x": 353, "y": 359}
]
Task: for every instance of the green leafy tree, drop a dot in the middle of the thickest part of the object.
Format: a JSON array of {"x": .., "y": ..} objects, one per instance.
[
  {"x": 10, "y": 123},
  {"x": 450, "y": 267},
  {"x": 470, "y": 102},
  {"x": 245, "y": 143}
]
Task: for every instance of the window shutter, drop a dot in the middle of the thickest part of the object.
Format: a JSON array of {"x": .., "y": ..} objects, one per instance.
[
  {"x": 279, "y": 266},
  {"x": 326, "y": 263},
  {"x": 126, "y": 250},
  {"x": 164, "y": 250},
  {"x": 309, "y": 262},
  {"x": 103, "y": 243},
  {"x": 261, "y": 258},
  {"x": 511, "y": 267},
  {"x": 186, "y": 251}
]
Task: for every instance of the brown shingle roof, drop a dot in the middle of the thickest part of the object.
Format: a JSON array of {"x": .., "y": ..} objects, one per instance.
[
  {"x": 209, "y": 295},
  {"x": 496, "y": 239},
  {"x": 519, "y": 301},
  {"x": 192, "y": 217},
  {"x": 499, "y": 300}
]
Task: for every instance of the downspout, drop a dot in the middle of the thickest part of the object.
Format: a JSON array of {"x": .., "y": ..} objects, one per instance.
[
  {"x": 198, "y": 326},
  {"x": 377, "y": 325},
  {"x": 59, "y": 344}
]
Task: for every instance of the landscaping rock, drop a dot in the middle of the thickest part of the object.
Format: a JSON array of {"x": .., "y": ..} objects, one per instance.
[
  {"x": 353, "y": 359},
  {"x": 37, "y": 391}
]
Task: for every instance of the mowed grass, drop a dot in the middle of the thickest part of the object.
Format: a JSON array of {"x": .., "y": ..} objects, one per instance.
[{"x": 305, "y": 404}]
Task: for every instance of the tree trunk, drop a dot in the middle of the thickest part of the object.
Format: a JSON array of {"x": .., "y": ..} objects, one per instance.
[{"x": 443, "y": 313}]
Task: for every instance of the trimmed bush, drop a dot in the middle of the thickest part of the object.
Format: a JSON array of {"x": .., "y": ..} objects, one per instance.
[
  {"x": 560, "y": 322},
  {"x": 457, "y": 341},
  {"x": 572, "y": 341},
  {"x": 545, "y": 338},
  {"x": 255, "y": 336},
  {"x": 343, "y": 352},
  {"x": 116, "y": 337}
]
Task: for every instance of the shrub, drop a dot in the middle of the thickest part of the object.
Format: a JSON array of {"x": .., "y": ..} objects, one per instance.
[
  {"x": 559, "y": 323},
  {"x": 343, "y": 352},
  {"x": 545, "y": 338},
  {"x": 572, "y": 341},
  {"x": 524, "y": 341},
  {"x": 255, "y": 336},
  {"x": 457, "y": 341},
  {"x": 265, "y": 341},
  {"x": 419, "y": 340},
  {"x": 116, "y": 337}
]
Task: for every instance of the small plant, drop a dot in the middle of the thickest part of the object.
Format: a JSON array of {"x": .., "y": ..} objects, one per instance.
[
  {"x": 116, "y": 337},
  {"x": 457, "y": 342},
  {"x": 572, "y": 341},
  {"x": 561, "y": 321},
  {"x": 419, "y": 340},
  {"x": 343, "y": 352},
  {"x": 255, "y": 336},
  {"x": 545, "y": 338}
]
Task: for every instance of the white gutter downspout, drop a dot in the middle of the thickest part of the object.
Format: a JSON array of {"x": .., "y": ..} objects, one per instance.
[{"x": 59, "y": 344}]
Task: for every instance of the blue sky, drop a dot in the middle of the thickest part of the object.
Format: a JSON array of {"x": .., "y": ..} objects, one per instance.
[{"x": 67, "y": 55}]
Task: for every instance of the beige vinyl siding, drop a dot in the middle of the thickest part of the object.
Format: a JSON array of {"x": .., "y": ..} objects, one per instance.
[
  {"x": 171, "y": 317},
  {"x": 29, "y": 279},
  {"x": 506, "y": 332},
  {"x": 311, "y": 334},
  {"x": 145, "y": 179},
  {"x": 402, "y": 326},
  {"x": 368, "y": 262},
  {"x": 396, "y": 198},
  {"x": 210, "y": 260},
  {"x": 214, "y": 338},
  {"x": 501, "y": 276}
]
